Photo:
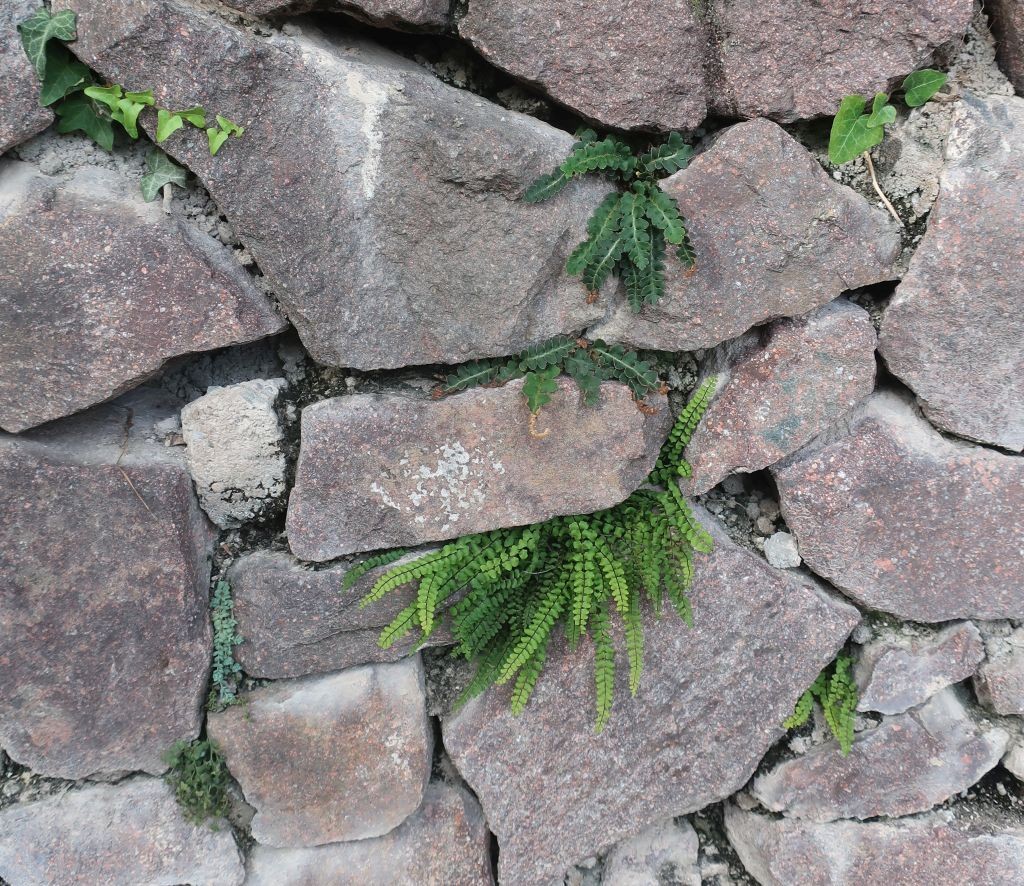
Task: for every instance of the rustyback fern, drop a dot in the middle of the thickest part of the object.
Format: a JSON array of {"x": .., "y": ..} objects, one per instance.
[
  {"x": 836, "y": 692},
  {"x": 628, "y": 232},
  {"x": 506, "y": 591}
]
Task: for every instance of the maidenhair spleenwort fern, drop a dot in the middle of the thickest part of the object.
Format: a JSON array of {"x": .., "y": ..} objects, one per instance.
[
  {"x": 629, "y": 230},
  {"x": 836, "y": 692},
  {"x": 511, "y": 587}
]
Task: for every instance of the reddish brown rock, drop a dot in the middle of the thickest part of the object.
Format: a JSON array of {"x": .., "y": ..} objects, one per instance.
[
  {"x": 326, "y": 759},
  {"x": 1007, "y": 18},
  {"x": 104, "y": 575},
  {"x": 117, "y": 287},
  {"x": 954, "y": 331},
  {"x": 383, "y": 471},
  {"x": 972, "y": 846},
  {"x": 406, "y": 15},
  {"x": 119, "y": 835},
  {"x": 1000, "y": 680},
  {"x": 774, "y": 235},
  {"x": 778, "y": 388},
  {"x": 906, "y": 521},
  {"x": 298, "y": 621},
  {"x": 708, "y": 708},
  {"x": 21, "y": 115},
  {"x": 445, "y": 841},
  {"x": 909, "y": 763}
]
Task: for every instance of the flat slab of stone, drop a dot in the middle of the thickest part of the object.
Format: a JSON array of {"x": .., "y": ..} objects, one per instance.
[
  {"x": 909, "y": 763},
  {"x": 778, "y": 388},
  {"x": 954, "y": 331},
  {"x": 119, "y": 835},
  {"x": 665, "y": 852},
  {"x": 89, "y": 322},
  {"x": 708, "y": 708},
  {"x": 895, "y": 672},
  {"x": 939, "y": 847},
  {"x": 1007, "y": 18},
  {"x": 21, "y": 115},
  {"x": 406, "y": 15},
  {"x": 104, "y": 577},
  {"x": 999, "y": 682},
  {"x": 906, "y": 521},
  {"x": 774, "y": 235},
  {"x": 390, "y": 224},
  {"x": 326, "y": 759},
  {"x": 383, "y": 471},
  {"x": 444, "y": 841},
  {"x": 298, "y": 621}
]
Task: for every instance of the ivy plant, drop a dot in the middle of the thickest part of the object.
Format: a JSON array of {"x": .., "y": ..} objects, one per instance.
[
  {"x": 505, "y": 591},
  {"x": 631, "y": 228},
  {"x": 836, "y": 693}
]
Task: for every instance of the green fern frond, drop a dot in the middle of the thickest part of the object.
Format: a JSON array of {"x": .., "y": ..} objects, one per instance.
[
  {"x": 540, "y": 387},
  {"x": 801, "y": 713},
  {"x": 546, "y": 186},
  {"x": 636, "y": 229},
  {"x": 602, "y": 260},
  {"x": 609, "y": 153},
  {"x": 685, "y": 253},
  {"x": 585, "y": 373},
  {"x": 663, "y": 213},
  {"x": 548, "y": 353},
  {"x": 836, "y": 692},
  {"x": 670, "y": 459},
  {"x": 370, "y": 563},
  {"x": 627, "y": 367},
  {"x": 670, "y": 157},
  {"x": 471, "y": 375}
]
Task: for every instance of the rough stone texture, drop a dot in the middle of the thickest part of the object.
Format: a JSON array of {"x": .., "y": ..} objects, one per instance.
[
  {"x": 954, "y": 331},
  {"x": 104, "y": 574},
  {"x": 299, "y": 621},
  {"x": 790, "y": 60},
  {"x": 1008, "y": 25},
  {"x": 663, "y": 853},
  {"x": 406, "y": 15},
  {"x": 382, "y": 471},
  {"x": 781, "y": 551},
  {"x": 909, "y": 763},
  {"x": 926, "y": 849},
  {"x": 779, "y": 388},
  {"x": 444, "y": 842},
  {"x": 896, "y": 672},
  {"x": 234, "y": 450},
  {"x": 117, "y": 287},
  {"x": 126, "y": 834},
  {"x": 1000, "y": 680},
  {"x": 774, "y": 235},
  {"x": 21, "y": 116},
  {"x": 389, "y": 222},
  {"x": 707, "y": 710},
  {"x": 629, "y": 64},
  {"x": 308, "y": 753},
  {"x": 906, "y": 521},
  {"x": 1013, "y": 760}
]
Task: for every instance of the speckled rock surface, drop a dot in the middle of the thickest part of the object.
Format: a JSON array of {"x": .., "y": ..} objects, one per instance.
[
  {"x": 104, "y": 572},
  {"x": 21, "y": 115},
  {"x": 774, "y": 235},
  {"x": 307, "y": 753},
  {"x": 874, "y": 507},
  {"x": 89, "y": 322},
  {"x": 1000, "y": 680},
  {"x": 414, "y": 15},
  {"x": 896, "y": 672},
  {"x": 445, "y": 841},
  {"x": 665, "y": 852},
  {"x": 779, "y": 387},
  {"x": 380, "y": 471},
  {"x": 954, "y": 331},
  {"x": 1008, "y": 26},
  {"x": 119, "y": 835},
  {"x": 707, "y": 710}
]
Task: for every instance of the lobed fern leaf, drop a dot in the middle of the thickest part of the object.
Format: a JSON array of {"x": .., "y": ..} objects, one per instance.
[
  {"x": 627, "y": 367},
  {"x": 670, "y": 157},
  {"x": 549, "y": 353}
]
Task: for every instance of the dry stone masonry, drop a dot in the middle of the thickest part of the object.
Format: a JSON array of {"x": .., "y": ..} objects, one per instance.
[{"x": 230, "y": 397}]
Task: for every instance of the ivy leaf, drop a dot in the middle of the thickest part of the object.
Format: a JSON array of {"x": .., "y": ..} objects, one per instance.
[
  {"x": 224, "y": 123},
  {"x": 851, "y": 136},
  {"x": 882, "y": 113},
  {"x": 167, "y": 124},
  {"x": 127, "y": 114},
  {"x": 196, "y": 116},
  {"x": 39, "y": 28},
  {"x": 539, "y": 387},
  {"x": 585, "y": 373},
  {"x": 216, "y": 138},
  {"x": 77, "y": 113},
  {"x": 162, "y": 171},
  {"x": 108, "y": 95},
  {"x": 922, "y": 85},
  {"x": 145, "y": 98},
  {"x": 546, "y": 186},
  {"x": 64, "y": 73}
]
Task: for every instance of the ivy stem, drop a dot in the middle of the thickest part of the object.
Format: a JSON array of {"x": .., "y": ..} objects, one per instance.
[{"x": 878, "y": 189}]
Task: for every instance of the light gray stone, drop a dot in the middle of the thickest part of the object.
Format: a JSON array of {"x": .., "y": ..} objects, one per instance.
[
  {"x": 21, "y": 115},
  {"x": 781, "y": 551},
  {"x": 665, "y": 852},
  {"x": 1000, "y": 680},
  {"x": 406, "y": 15}
]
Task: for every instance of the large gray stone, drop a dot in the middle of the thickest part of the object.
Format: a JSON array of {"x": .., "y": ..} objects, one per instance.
[
  {"x": 445, "y": 841},
  {"x": 390, "y": 221},
  {"x": 664, "y": 853},
  {"x": 906, "y": 521},
  {"x": 976, "y": 847},
  {"x": 383, "y": 471},
  {"x": 126, "y": 834},
  {"x": 104, "y": 575},
  {"x": 406, "y": 15},
  {"x": 709, "y": 706},
  {"x": 780, "y": 387},
  {"x": 774, "y": 235},
  {"x": 99, "y": 289},
  {"x": 1000, "y": 680},
  {"x": 909, "y": 763},
  {"x": 954, "y": 331},
  {"x": 326, "y": 759},
  {"x": 21, "y": 115},
  {"x": 1008, "y": 25},
  {"x": 297, "y": 621}
]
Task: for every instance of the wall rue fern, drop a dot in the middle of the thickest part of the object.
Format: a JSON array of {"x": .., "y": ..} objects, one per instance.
[
  {"x": 198, "y": 776},
  {"x": 225, "y": 671},
  {"x": 836, "y": 692}
]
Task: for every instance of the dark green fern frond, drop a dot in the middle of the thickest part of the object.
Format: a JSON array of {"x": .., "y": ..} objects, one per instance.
[
  {"x": 585, "y": 373},
  {"x": 627, "y": 367},
  {"x": 663, "y": 212},
  {"x": 471, "y": 375},
  {"x": 607, "y": 154},
  {"x": 548, "y": 353},
  {"x": 670, "y": 157},
  {"x": 685, "y": 253},
  {"x": 545, "y": 187},
  {"x": 636, "y": 229}
]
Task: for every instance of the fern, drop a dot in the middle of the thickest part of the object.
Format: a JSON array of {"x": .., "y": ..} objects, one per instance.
[
  {"x": 514, "y": 587},
  {"x": 626, "y": 234},
  {"x": 225, "y": 671},
  {"x": 836, "y": 692}
]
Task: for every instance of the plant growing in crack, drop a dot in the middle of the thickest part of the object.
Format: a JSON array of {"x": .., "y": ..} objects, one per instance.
[
  {"x": 856, "y": 130},
  {"x": 836, "y": 692},
  {"x": 628, "y": 233},
  {"x": 198, "y": 775},
  {"x": 225, "y": 671}
]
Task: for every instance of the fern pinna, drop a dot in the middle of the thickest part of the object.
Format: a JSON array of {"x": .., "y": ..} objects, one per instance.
[
  {"x": 511, "y": 587},
  {"x": 836, "y": 692},
  {"x": 628, "y": 232}
]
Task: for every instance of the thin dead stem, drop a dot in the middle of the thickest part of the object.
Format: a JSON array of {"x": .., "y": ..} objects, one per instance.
[{"x": 878, "y": 189}]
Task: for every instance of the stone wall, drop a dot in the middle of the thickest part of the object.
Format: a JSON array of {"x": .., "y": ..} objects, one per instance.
[{"x": 234, "y": 384}]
